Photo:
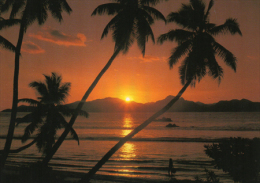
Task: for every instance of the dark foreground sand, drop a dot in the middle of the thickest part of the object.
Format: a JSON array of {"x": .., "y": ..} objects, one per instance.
[{"x": 24, "y": 175}]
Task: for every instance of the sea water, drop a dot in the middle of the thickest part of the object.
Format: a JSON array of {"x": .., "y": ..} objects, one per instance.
[{"x": 147, "y": 155}]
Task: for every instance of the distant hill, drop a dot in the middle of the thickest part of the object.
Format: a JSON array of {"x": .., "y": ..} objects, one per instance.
[{"x": 118, "y": 105}]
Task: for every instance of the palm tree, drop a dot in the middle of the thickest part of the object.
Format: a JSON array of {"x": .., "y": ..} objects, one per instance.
[
  {"x": 48, "y": 116},
  {"x": 196, "y": 42},
  {"x": 31, "y": 10},
  {"x": 132, "y": 21}
]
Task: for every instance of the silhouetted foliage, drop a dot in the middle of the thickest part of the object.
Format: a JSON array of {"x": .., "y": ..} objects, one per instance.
[
  {"x": 211, "y": 177},
  {"x": 49, "y": 114},
  {"x": 196, "y": 42},
  {"x": 29, "y": 11},
  {"x": 240, "y": 157}
]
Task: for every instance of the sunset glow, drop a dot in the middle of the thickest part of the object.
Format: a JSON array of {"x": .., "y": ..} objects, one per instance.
[
  {"x": 127, "y": 99},
  {"x": 72, "y": 49}
]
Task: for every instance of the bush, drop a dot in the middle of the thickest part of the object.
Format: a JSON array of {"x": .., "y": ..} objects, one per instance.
[{"x": 239, "y": 157}]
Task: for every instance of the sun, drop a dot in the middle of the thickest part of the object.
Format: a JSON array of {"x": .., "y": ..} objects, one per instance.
[{"x": 127, "y": 99}]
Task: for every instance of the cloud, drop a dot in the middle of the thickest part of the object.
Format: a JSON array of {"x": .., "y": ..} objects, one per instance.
[
  {"x": 60, "y": 38},
  {"x": 32, "y": 48},
  {"x": 149, "y": 59},
  {"x": 252, "y": 57}
]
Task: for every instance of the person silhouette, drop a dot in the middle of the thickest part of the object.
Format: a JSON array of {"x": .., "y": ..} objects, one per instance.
[{"x": 171, "y": 169}]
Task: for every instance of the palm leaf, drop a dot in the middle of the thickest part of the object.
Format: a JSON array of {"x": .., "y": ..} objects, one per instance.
[
  {"x": 150, "y": 2},
  {"x": 30, "y": 101},
  {"x": 8, "y": 23},
  {"x": 226, "y": 55},
  {"x": 40, "y": 87},
  {"x": 6, "y": 44},
  {"x": 109, "y": 8},
  {"x": 211, "y": 3},
  {"x": 57, "y": 6},
  {"x": 109, "y": 26},
  {"x": 178, "y": 35},
  {"x": 179, "y": 51},
  {"x": 215, "y": 70},
  {"x": 143, "y": 32},
  {"x": 72, "y": 131},
  {"x": 230, "y": 26},
  {"x": 36, "y": 120},
  {"x": 154, "y": 12},
  {"x": 66, "y": 111}
]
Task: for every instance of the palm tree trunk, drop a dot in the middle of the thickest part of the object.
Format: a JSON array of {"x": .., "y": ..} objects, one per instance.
[
  {"x": 105, "y": 158},
  {"x": 49, "y": 155},
  {"x": 10, "y": 134},
  {"x": 21, "y": 148}
]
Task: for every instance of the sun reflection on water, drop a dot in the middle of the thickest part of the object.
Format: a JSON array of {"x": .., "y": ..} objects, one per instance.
[{"x": 128, "y": 151}]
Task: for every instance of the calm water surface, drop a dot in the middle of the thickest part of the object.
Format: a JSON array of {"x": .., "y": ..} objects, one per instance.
[{"x": 147, "y": 156}]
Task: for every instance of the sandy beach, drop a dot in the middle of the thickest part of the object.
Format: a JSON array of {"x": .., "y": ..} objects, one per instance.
[{"x": 23, "y": 175}]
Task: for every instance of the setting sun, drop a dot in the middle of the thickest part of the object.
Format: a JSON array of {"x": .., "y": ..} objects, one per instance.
[{"x": 127, "y": 99}]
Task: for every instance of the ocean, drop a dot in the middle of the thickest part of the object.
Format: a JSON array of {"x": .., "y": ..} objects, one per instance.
[{"x": 147, "y": 155}]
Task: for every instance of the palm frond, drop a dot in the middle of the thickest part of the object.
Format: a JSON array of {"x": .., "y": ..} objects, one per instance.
[
  {"x": 230, "y": 26},
  {"x": 6, "y": 44},
  {"x": 150, "y": 2},
  {"x": 124, "y": 32},
  {"x": 30, "y": 101},
  {"x": 66, "y": 111},
  {"x": 56, "y": 8},
  {"x": 16, "y": 5},
  {"x": 109, "y": 8},
  {"x": 178, "y": 35},
  {"x": 72, "y": 131},
  {"x": 179, "y": 51},
  {"x": 110, "y": 26},
  {"x": 226, "y": 55},
  {"x": 31, "y": 127},
  {"x": 4, "y": 23},
  {"x": 215, "y": 70},
  {"x": 40, "y": 87},
  {"x": 143, "y": 32},
  {"x": 211, "y": 3},
  {"x": 154, "y": 13}
]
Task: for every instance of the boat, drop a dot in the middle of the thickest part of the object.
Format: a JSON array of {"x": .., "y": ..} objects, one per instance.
[{"x": 172, "y": 125}]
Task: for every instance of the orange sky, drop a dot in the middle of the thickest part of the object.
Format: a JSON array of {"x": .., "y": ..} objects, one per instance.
[{"x": 74, "y": 50}]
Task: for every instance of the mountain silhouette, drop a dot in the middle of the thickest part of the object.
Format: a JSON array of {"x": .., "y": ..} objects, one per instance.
[{"x": 117, "y": 105}]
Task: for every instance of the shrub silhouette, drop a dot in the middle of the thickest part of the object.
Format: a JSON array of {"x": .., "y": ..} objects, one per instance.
[{"x": 239, "y": 157}]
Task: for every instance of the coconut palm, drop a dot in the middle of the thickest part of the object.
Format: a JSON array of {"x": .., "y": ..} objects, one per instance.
[
  {"x": 132, "y": 21},
  {"x": 49, "y": 113},
  {"x": 30, "y": 10},
  {"x": 196, "y": 42}
]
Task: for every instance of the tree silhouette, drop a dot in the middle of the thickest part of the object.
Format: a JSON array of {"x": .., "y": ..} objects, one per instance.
[
  {"x": 131, "y": 22},
  {"x": 49, "y": 113},
  {"x": 240, "y": 157},
  {"x": 196, "y": 42},
  {"x": 31, "y": 10}
]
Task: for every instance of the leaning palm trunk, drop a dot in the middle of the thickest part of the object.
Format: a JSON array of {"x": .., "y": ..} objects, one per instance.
[
  {"x": 105, "y": 158},
  {"x": 10, "y": 134},
  {"x": 50, "y": 154}
]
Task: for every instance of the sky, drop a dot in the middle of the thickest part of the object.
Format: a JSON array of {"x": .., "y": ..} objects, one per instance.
[{"x": 74, "y": 49}]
